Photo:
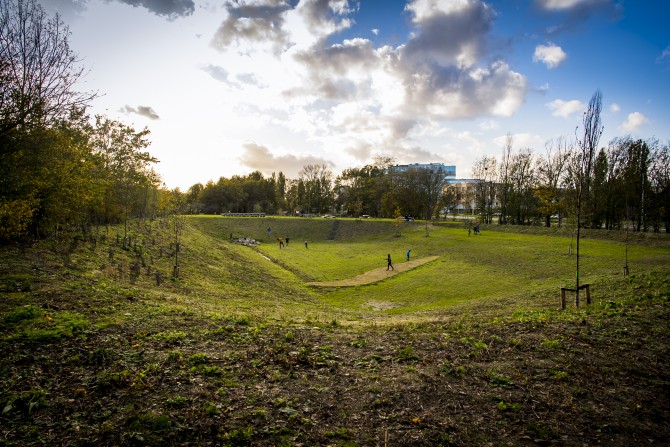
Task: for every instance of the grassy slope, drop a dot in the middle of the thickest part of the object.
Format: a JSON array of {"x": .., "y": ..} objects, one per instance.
[{"x": 240, "y": 351}]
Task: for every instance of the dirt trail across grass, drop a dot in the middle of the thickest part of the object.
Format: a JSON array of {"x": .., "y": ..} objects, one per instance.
[{"x": 375, "y": 275}]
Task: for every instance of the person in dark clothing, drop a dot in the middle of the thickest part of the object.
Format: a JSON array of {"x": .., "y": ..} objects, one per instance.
[{"x": 389, "y": 264}]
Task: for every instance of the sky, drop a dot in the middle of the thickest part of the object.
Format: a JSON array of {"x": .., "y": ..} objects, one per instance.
[{"x": 228, "y": 87}]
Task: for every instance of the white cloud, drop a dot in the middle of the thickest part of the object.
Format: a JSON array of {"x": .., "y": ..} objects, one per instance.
[
  {"x": 551, "y": 55},
  {"x": 664, "y": 58},
  {"x": 564, "y": 109},
  {"x": 259, "y": 157},
  {"x": 614, "y": 108},
  {"x": 633, "y": 123}
]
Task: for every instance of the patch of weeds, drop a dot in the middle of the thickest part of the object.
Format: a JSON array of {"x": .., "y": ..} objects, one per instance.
[
  {"x": 101, "y": 356},
  {"x": 324, "y": 356},
  {"x": 407, "y": 355},
  {"x": 169, "y": 337},
  {"x": 16, "y": 283},
  {"x": 371, "y": 361},
  {"x": 515, "y": 343},
  {"x": 259, "y": 413},
  {"x": 210, "y": 408},
  {"x": 151, "y": 425},
  {"x": 530, "y": 316},
  {"x": 276, "y": 375},
  {"x": 498, "y": 379},
  {"x": 197, "y": 359},
  {"x": 227, "y": 382},
  {"x": 558, "y": 375},
  {"x": 476, "y": 346},
  {"x": 206, "y": 370},
  {"x": 26, "y": 402},
  {"x": 176, "y": 402},
  {"x": 453, "y": 370},
  {"x": 239, "y": 437},
  {"x": 358, "y": 343},
  {"x": 552, "y": 344},
  {"x": 340, "y": 433},
  {"x": 20, "y": 314},
  {"x": 508, "y": 406},
  {"x": 61, "y": 325},
  {"x": 174, "y": 356},
  {"x": 115, "y": 379},
  {"x": 289, "y": 336}
]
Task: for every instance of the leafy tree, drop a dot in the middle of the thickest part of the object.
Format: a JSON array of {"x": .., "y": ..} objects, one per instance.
[
  {"x": 126, "y": 165},
  {"x": 38, "y": 73},
  {"x": 317, "y": 182},
  {"x": 659, "y": 177}
]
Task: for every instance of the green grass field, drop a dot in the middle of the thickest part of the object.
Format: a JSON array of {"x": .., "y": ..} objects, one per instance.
[
  {"x": 99, "y": 345},
  {"x": 494, "y": 265}
]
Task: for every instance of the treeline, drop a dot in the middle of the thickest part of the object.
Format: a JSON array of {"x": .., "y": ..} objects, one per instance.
[
  {"x": 373, "y": 190},
  {"x": 626, "y": 183}
]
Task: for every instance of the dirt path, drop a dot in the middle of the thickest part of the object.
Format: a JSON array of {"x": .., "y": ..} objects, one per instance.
[{"x": 375, "y": 275}]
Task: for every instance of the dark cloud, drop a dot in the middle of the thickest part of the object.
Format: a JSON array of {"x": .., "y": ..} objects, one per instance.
[
  {"x": 170, "y": 9},
  {"x": 255, "y": 23},
  {"x": 455, "y": 38},
  {"x": 327, "y": 15},
  {"x": 144, "y": 111},
  {"x": 260, "y": 158},
  {"x": 68, "y": 9},
  {"x": 443, "y": 66},
  {"x": 571, "y": 14}
]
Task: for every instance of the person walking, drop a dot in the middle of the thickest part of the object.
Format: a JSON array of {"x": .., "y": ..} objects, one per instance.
[
  {"x": 408, "y": 252},
  {"x": 389, "y": 264}
]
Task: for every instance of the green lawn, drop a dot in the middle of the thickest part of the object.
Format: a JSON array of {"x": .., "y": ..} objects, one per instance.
[{"x": 530, "y": 267}]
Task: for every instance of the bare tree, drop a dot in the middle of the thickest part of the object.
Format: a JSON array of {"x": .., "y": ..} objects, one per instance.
[
  {"x": 550, "y": 172},
  {"x": 38, "y": 68},
  {"x": 521, "y": 182},
  {"x": 503, "y": 176},
  {"x": 593, "y": 129},
  {"x": 484, "y": 171}
]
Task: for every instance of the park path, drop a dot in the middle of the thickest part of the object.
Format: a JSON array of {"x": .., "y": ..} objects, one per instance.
[{"x": 374, "y": 275}]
